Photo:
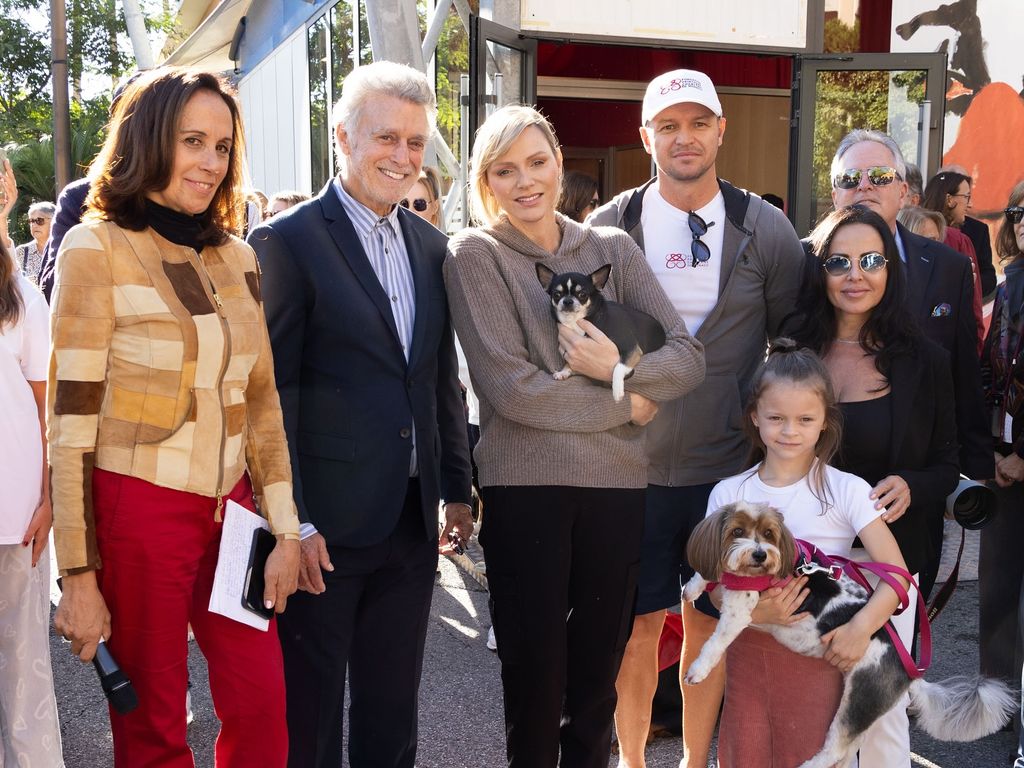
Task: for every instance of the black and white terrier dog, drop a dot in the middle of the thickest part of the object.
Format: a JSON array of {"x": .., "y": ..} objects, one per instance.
[
  {"x": 575, "y": 297},
  {"x": 751, "y": 540}
]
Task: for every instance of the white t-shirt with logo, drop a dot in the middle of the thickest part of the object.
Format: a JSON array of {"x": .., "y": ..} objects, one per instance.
[
  {"x": 693, "y": 290},
  {"x": 24, "y": 357},
  {"x": 831, "y": 527}
]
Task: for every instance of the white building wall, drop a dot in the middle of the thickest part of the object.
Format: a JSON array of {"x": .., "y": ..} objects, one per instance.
[{"x": 275, "y": 107}]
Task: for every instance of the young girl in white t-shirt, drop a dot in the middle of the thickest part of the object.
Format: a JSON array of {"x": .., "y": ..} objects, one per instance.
[{"x": 779, "y": 704}]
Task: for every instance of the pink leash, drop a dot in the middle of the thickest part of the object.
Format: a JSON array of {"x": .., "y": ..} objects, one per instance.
[{"x": 811, "y": 559}]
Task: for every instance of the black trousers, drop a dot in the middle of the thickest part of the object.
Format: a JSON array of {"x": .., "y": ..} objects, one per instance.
[
  {"x": 1001, "y": 588},
  {"x": 371, "y": 622},
  {"x": 562, "y": 566}
]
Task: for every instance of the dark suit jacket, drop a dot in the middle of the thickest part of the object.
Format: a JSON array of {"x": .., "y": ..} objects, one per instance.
[
  {"x": 940, "y": 297},
  {"x": 70, "y": 207},
  {"x": 923, "y": 446},
  {"x": 349, "y": 398},
  {"x": 940, "y": 278},
  {"x": 977, "y": 231}
]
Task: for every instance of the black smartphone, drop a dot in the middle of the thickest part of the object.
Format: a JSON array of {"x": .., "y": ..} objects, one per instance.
[{"x": 263, "y": 543}]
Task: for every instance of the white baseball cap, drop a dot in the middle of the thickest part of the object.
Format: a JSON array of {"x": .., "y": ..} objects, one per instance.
[{"x": 677, "y": 87}]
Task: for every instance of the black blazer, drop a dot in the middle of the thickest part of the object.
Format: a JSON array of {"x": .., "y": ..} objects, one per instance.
[
  {"x": 923, "y": 445},
  {"x": 940, "y": 297},
  {"x": 70, "y": 207},
  {"x": 940, "y": 278},
  {"x": 349, "y": 398},
  {"x": 977, "y": 231}
]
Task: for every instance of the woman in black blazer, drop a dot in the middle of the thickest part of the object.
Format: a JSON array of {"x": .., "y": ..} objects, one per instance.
[{"x": 896, "y": 394}]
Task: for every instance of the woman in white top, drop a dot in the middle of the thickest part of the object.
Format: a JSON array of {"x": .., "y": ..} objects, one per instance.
[{"x": 28, "y": 710}]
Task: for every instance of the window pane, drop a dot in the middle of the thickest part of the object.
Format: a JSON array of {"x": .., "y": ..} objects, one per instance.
[
  {"x": 365, "y": 50},
  {"x": 342, "y": 45},
  {"x": 452, "y": 61},
  {"x": 883, "y": 100},
  {"x": 319, "y": 123}
]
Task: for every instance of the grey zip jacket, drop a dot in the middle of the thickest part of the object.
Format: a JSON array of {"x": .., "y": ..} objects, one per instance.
[{"x": 699, "y": 437}]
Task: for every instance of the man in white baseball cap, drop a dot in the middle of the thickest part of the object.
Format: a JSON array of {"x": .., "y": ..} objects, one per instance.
[{"x": 731, "y": 264}]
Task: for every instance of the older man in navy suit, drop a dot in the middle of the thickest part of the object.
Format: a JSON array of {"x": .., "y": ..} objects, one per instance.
[{"x": 368, "y": 378}]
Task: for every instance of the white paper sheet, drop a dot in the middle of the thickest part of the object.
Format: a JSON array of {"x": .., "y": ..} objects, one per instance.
[{"x": 232, "y": 560}]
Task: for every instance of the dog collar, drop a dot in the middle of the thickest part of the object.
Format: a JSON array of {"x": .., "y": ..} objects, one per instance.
[{"x": 747, "y": 583}]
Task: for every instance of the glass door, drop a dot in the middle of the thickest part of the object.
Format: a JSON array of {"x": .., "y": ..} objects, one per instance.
[
  {"x": 502, "y": 70},
  {"x": 900, "y": 94}
]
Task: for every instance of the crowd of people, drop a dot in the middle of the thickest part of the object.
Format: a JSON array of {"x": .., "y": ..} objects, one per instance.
[{"x": 311, "y": 373}]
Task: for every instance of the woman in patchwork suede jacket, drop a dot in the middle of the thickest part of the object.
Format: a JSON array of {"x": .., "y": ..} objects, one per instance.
[{"x": 161, "y": 408}]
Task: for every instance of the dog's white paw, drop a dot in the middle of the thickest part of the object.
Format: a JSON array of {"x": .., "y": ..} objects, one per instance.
[
  {"x": 697, "y": 672},
  {"x": 694, "y": 587},
  {"x": 563, "y": 374}
]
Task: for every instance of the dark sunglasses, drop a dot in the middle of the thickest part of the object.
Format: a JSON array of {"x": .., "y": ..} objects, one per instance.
[
  {"x": 878, "y": 175},
  {"x": 698, "y": 248},
  {"x": 418, "y": 204},
  {"x": 38, "y": 220},
  {"x": 1014, "y": 214},
  {"x": 840, "y": 265}
]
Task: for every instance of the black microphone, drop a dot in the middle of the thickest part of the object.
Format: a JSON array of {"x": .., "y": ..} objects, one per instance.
[{"x": 116, "y": 685}]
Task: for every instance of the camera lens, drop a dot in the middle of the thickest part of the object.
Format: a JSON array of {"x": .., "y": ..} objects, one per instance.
[{"x": 973, "y": 508}]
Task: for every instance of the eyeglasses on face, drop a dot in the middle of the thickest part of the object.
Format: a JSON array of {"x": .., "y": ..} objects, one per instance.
[
  {"x": 698, "y": 248},
  {"x": 38, "y": 220},
  {"x": 839, "y": 265},
  {"x": 594, "y": 202},
  {"x": 966, "y": 196},
  {"x": 878, "y": 175},
  {"x": 418, "y": 204},
  {"x": 1014, "y": 214}
]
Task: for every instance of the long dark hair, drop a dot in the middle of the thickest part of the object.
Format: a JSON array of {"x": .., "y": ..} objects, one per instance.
[
  {"x": 788, "y": 362},
  {"x": 11, "y": 302},
  {"x": 138, "y": 155},
  {"x": 891, "y": 330},
  {"x": 578, "y": 189},
  {"x": 1006, "y": 240}
]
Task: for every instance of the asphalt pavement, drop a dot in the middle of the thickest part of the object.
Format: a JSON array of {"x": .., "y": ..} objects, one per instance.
[{"x": 460, "y": 699}]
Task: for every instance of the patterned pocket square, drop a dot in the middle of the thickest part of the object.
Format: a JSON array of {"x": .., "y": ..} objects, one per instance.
[{"x": 942, "y": 310}]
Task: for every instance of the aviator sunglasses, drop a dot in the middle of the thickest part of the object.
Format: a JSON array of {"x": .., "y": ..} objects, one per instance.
[
  {"x": 698, "y": 248},
  {"x": 418, "y": 204},
  {"x": 840, "y": 265},
  {"x": 1014, "y": 214},
  {"x": 878, "y": 175}
]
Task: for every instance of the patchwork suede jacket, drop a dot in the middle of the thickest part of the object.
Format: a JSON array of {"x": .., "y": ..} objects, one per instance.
[{"x": 160, "y": 369}]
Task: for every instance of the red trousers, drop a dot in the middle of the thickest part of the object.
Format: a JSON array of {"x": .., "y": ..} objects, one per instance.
[{"x": 159, "y": 551}]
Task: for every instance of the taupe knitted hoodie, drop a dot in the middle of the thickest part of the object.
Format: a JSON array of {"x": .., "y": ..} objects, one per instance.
[{"x": 536, "y": 430}]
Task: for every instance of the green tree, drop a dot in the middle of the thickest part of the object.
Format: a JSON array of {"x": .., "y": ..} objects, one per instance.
[{"x": 24, "y": 73}]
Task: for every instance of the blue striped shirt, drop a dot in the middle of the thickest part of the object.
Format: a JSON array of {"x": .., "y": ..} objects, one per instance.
[{"x": 385, "y": 248}]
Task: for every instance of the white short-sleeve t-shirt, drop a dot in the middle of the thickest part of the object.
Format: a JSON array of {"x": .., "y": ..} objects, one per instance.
[
  {"x": 24, "y": 357},
  {"x": 693, "y": 290},
  {"x": 831, "y": 527}
]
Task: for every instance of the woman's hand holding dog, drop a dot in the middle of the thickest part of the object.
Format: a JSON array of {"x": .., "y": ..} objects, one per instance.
[
  {"x": 778, "y": 605},
  {"x": 893, "y": 495},
  {"x": 641, "y": 409},
  {"x": 593, "y": 355}
]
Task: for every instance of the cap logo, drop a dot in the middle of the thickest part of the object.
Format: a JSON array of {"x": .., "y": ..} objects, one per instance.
[{"x": 679, "y": 83}]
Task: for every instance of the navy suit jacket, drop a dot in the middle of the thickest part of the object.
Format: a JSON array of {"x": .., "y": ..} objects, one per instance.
[
  {"x": 350, "y": 399},
  {"x": 940, "y": 292},
  {"x": 70, "y": 207}
]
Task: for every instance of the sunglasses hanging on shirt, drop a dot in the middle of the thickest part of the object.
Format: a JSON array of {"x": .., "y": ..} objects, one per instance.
[{"x": 698, "y": 248}]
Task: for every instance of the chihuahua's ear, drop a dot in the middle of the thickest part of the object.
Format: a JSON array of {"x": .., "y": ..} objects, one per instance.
[
  {"x": 600, "y": 276},
  {"x": 704, "y": 549},
  {"x": 545, "y": 275}
]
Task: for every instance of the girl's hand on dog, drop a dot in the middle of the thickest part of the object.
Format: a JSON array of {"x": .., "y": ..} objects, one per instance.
[
  {"x": 846, "y": 645},
  {"x": 593, "y": 355},
  {"x": 778, "y": 605},
  {"x": 893, "y": 495}
]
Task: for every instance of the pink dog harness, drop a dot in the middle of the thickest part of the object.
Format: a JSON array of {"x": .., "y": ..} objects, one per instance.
[{"x": 810, "y": 559}]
